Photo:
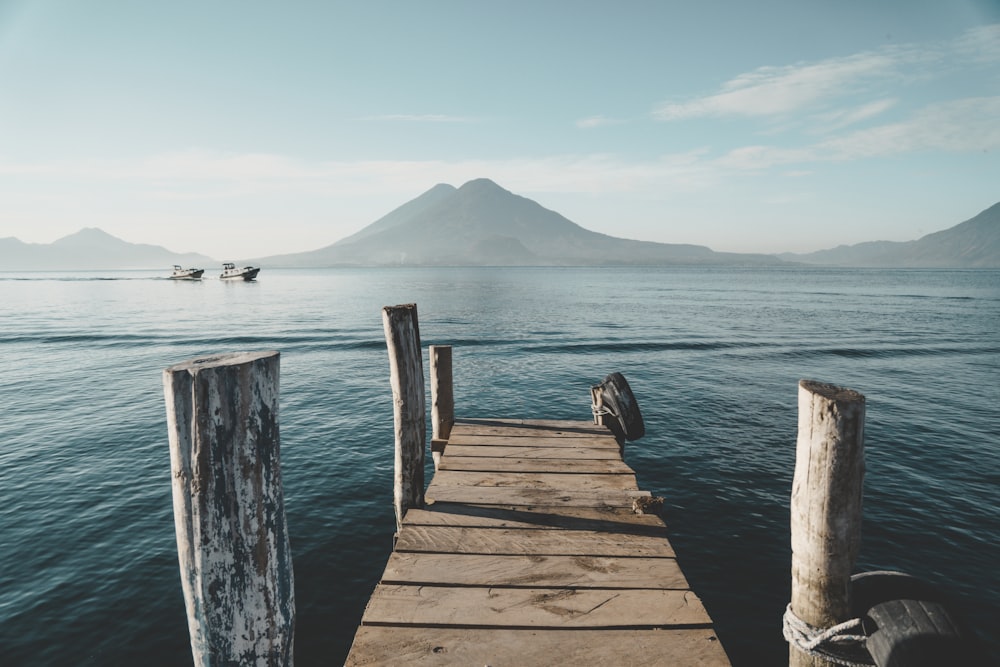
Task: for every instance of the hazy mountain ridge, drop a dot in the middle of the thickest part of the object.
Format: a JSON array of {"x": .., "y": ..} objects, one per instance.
[
  {"x": 481, "y": 223},
  {"x": 92, "y": 249},
  {"x": 973, "y": 244}
]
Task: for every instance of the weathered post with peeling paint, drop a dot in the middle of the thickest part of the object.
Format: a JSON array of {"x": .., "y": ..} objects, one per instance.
[
  {"x": 825, "y": 507},
  {"x": 406, "y": 368},
  {"x": 229, "y": 515},
  {"x": 442, "y": 399}
]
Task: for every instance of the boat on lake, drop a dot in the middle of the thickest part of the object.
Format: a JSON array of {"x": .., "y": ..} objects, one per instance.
[
  {"x": 230, "y": 272},
  {"x": 186, "y": 274}
]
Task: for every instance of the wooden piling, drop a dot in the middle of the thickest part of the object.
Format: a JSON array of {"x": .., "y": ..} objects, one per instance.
[
  {"x": 406, "y": 377},
  {"x": 229, "y": 516},
  {"x": 825, "y": 507},
  {"x": 442, "y": 399}
]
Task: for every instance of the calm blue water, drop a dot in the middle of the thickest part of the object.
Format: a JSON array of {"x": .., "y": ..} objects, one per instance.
[{"x": 88, "y": 569}]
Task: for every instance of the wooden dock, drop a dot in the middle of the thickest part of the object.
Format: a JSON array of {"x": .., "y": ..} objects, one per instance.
[
  {"x": 533, "y": 544},
  {"x": 528, "y": 552}
]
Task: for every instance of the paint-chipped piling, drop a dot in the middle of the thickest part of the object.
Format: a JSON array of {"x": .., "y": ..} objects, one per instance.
[{"x": 229, "y": 516}]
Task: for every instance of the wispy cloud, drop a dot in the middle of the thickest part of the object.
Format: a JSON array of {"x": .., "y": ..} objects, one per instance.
[
  {"x": 960, "y": 126},
  {"x": 841, "y": 118},
  {"x": 782, "y": 90},
  {"x": 980, "y": 44},
  {"x": 597, "y": 121},
  {"x": 747, "y": 158},
  {"x": 769, "y": 91}
]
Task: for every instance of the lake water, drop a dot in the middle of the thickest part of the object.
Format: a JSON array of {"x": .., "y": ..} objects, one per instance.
[{"x": 88, "y": 567}]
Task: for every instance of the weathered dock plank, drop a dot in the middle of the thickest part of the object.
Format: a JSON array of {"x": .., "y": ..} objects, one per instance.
[
  {"x": 528, "y": 428},
  {"x": 606, "y": 519},
  {"x": 534, "y": 464},
  {"x": 462, "y": 436},
  {"x": 503, "y": 647},
  {"x": 528, "y": 552},
  {"x": 569, "y": 571},
  {"x": 451, "y": 539},
  {"x": 555, "y": 480},
  {"x": 486, "y": 495},
  {"x": 496, "y": 607},
  {"x": 574, "y": 452}
]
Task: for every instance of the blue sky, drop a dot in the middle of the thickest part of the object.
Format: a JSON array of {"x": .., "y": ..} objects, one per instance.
[{"x": 243, "y": 129}]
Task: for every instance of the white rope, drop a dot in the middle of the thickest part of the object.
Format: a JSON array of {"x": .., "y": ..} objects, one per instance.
[
  {"x": 599, "y": 412},
  {"x": 832, "y": 644}
]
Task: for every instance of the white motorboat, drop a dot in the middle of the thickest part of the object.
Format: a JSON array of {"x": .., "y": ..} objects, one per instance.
[
  {"x": 230, "y": 272},
  {"x": 186, "y": 274}
]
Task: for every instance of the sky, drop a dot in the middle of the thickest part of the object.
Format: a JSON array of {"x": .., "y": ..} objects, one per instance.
[{"x": 246, "y": 129}]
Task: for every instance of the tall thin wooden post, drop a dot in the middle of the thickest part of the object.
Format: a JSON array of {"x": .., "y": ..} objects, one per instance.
[
  {"x": 825, "y": 507},
  {"x": 229, "y": 514},
  {"x": 406, "y": 368},
  {"x": 442, "y": 399}
]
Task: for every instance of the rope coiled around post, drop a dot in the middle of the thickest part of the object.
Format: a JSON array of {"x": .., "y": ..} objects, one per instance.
[
  {"x": 834, "y": 644},
  {"x": 600, "y": 412}
]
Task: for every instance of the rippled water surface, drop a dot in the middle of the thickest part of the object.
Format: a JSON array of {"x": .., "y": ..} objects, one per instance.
[{"x": 88, "y": 567}]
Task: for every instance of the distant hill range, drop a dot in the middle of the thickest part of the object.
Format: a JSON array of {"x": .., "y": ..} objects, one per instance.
[
  {"x": 481, "y": 224},
  {"x": 91, "y": 249},
  {"x": 973, "y": 244}
]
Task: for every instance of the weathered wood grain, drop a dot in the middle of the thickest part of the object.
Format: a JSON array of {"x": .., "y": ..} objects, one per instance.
[
  {"x": 549, "y": 571},
  {"x": 526, "y": 545},
  {"x": 454, "y": 647},
  {"x": 576, "y": 453},
  {"x": 552, "y": 481},
  {"x": 825, "y": 507},
  {"x": 464, "y": 540},
  {"x": 442, "y": 391},
  {"x": 530, "y": 427},
  {"x": 510, "y": 464},
  {"x": 515, "y": 440},
  {"x": 406, "y": 376},
  {"x": 229, "y": 515},
  {"x": 606, "y": 519},
  {"x": 533, "y": 607},
  {"x": 486, "y": 495}
]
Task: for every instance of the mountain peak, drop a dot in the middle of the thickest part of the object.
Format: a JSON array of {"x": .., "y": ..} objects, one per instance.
[
  {"x": 88, "y": 233},
  {"x": 89, "y": 249},
  {"x": 481, "y": 223},
  {"x": 89, "y": 237},
  {"x": 482, "y": 185}
]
